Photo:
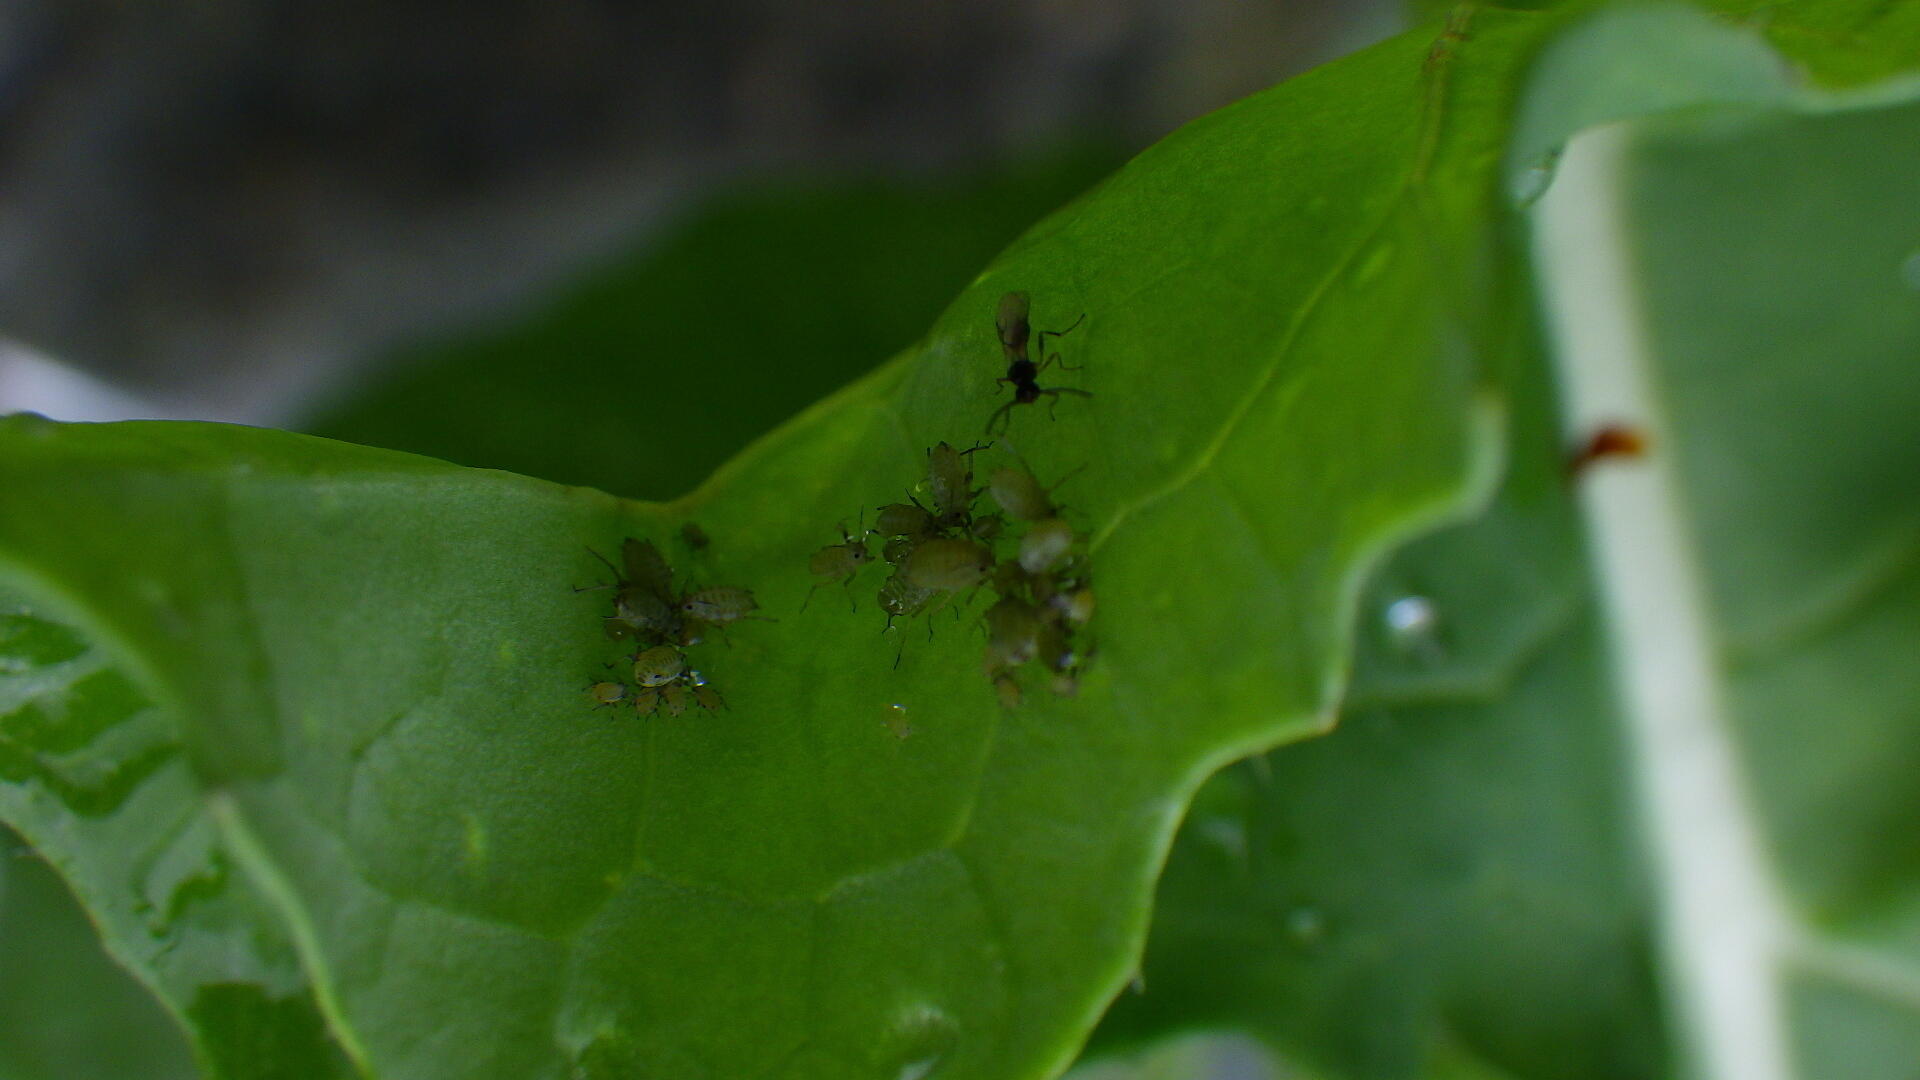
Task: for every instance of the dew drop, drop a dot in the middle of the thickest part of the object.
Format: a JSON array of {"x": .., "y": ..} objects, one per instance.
[
  {"x": 1412, "y": 622},
  {"x": 1910, "y": 271},
  {"x": 1227, "y": 834},
  {"x": 922, "y": 1037},
  {"x": 895, "y": 717},
  {"x": 1306, "y": 925},
  {"x": 1533, "y": 181}
]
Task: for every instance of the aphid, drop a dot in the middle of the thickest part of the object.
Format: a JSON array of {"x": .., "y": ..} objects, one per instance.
[
  {"x": 1045, "y": 545},
  {"x": 950, "y": 484},
  {"x": 897, "y": 549},
  {"x": 647, "y": 613},
  {"x": 720, "y": 605},
  {"x": 1010, "y": 578},
  {"x": 1022, "y": 373},
  {"x": 1020, "y": 495},
  {"x": 948, "y": 565},
  {"x": 1013, "y": 633},
  {"x": 708, "y": 697},
  {"x": 1008, "y": 690},
  {"x": 904, "y": 520},
  {"x": 606, "y": 694},
  {"x": 987, "y": 527},
  {"x": 1609, "y": 441},
  {"x": 658, "y": 666},
  {"x": 695, "y": 536},
  {"x": 674, "y": 697},
  {"x": 646, "y": 700},
  {"x": 642, "y": 600},
  {"x": 838, "y": 562},
  {"x": 646, "y": 567},
  {"x": 1076, "y": 607},
  {"x": 901, "y": 598}
]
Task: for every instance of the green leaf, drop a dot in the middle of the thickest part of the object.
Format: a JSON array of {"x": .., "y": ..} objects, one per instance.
[
  {"x": 67, "y": 1012},
  {"x": 371, "y": 665},
  {"x": 1488, "y": 870}
]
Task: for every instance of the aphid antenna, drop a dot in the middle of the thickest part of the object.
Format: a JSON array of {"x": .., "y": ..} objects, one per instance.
[{"x": 596, "y": 588}]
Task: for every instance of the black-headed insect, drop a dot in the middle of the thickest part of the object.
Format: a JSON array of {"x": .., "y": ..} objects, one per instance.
[
  {"x": 1022, "y": 373},
  {"x": 838, "y": 562}
]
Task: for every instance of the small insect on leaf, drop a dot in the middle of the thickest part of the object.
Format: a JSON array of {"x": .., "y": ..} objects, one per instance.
[
  {"x": 948, "y": 565},
  {"x": 606, "y": 694},
  {"x": 903, "y": 519},
  {"x": 1011, "y": 321},
  {"x": 658, "y": 666},
  {"x": 1013, "y": 632},
  {"x": 1045, "y": 545},
  {"x": 899, "y": 548},
  {"x": 720, "y": 604},
  {"x": 1022, "y": 373},
  {"x": 1076, "y": 607},
  {"x": 838, "y": 562},
  {"x": 901, "y": 598},
  {"x": 646, "y": 567},
  {"x": 695, "y": 537},
  {"x": 708, "y": 697},
  {"x": 987, "y": 527},
  {"x": 674, "y": 697},
  {"x": 1008, "y": 690},
  {"x": 645, "y": 701},
  {"x": 950, "y": 484},
  {"x": 1019, "y": 493}
]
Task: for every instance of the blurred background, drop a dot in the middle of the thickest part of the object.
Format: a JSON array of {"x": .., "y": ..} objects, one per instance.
[
  {"x": 430, "y": 225},
  {"x": 292, "y": 214}
]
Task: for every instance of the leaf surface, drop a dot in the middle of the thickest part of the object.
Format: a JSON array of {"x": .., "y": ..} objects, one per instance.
[{"x": 1467, "y": 877}]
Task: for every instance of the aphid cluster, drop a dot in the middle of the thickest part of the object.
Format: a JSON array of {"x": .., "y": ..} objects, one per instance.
[
  {"x": 1045, "y": 593},
  {"x": 662, "y": 623},
  {"x": 942, "y": 548}
]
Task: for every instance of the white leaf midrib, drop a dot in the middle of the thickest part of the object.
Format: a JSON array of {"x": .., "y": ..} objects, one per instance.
[{"x": 1724, "y": 928}]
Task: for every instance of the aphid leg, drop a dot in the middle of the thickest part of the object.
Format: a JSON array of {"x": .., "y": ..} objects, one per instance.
[
  {"x": 1003, "y": 411},
  {"x": 809, "y": 599},
  {"x": 899, "y": 652},
  {"x": 846, "y": 583}
]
